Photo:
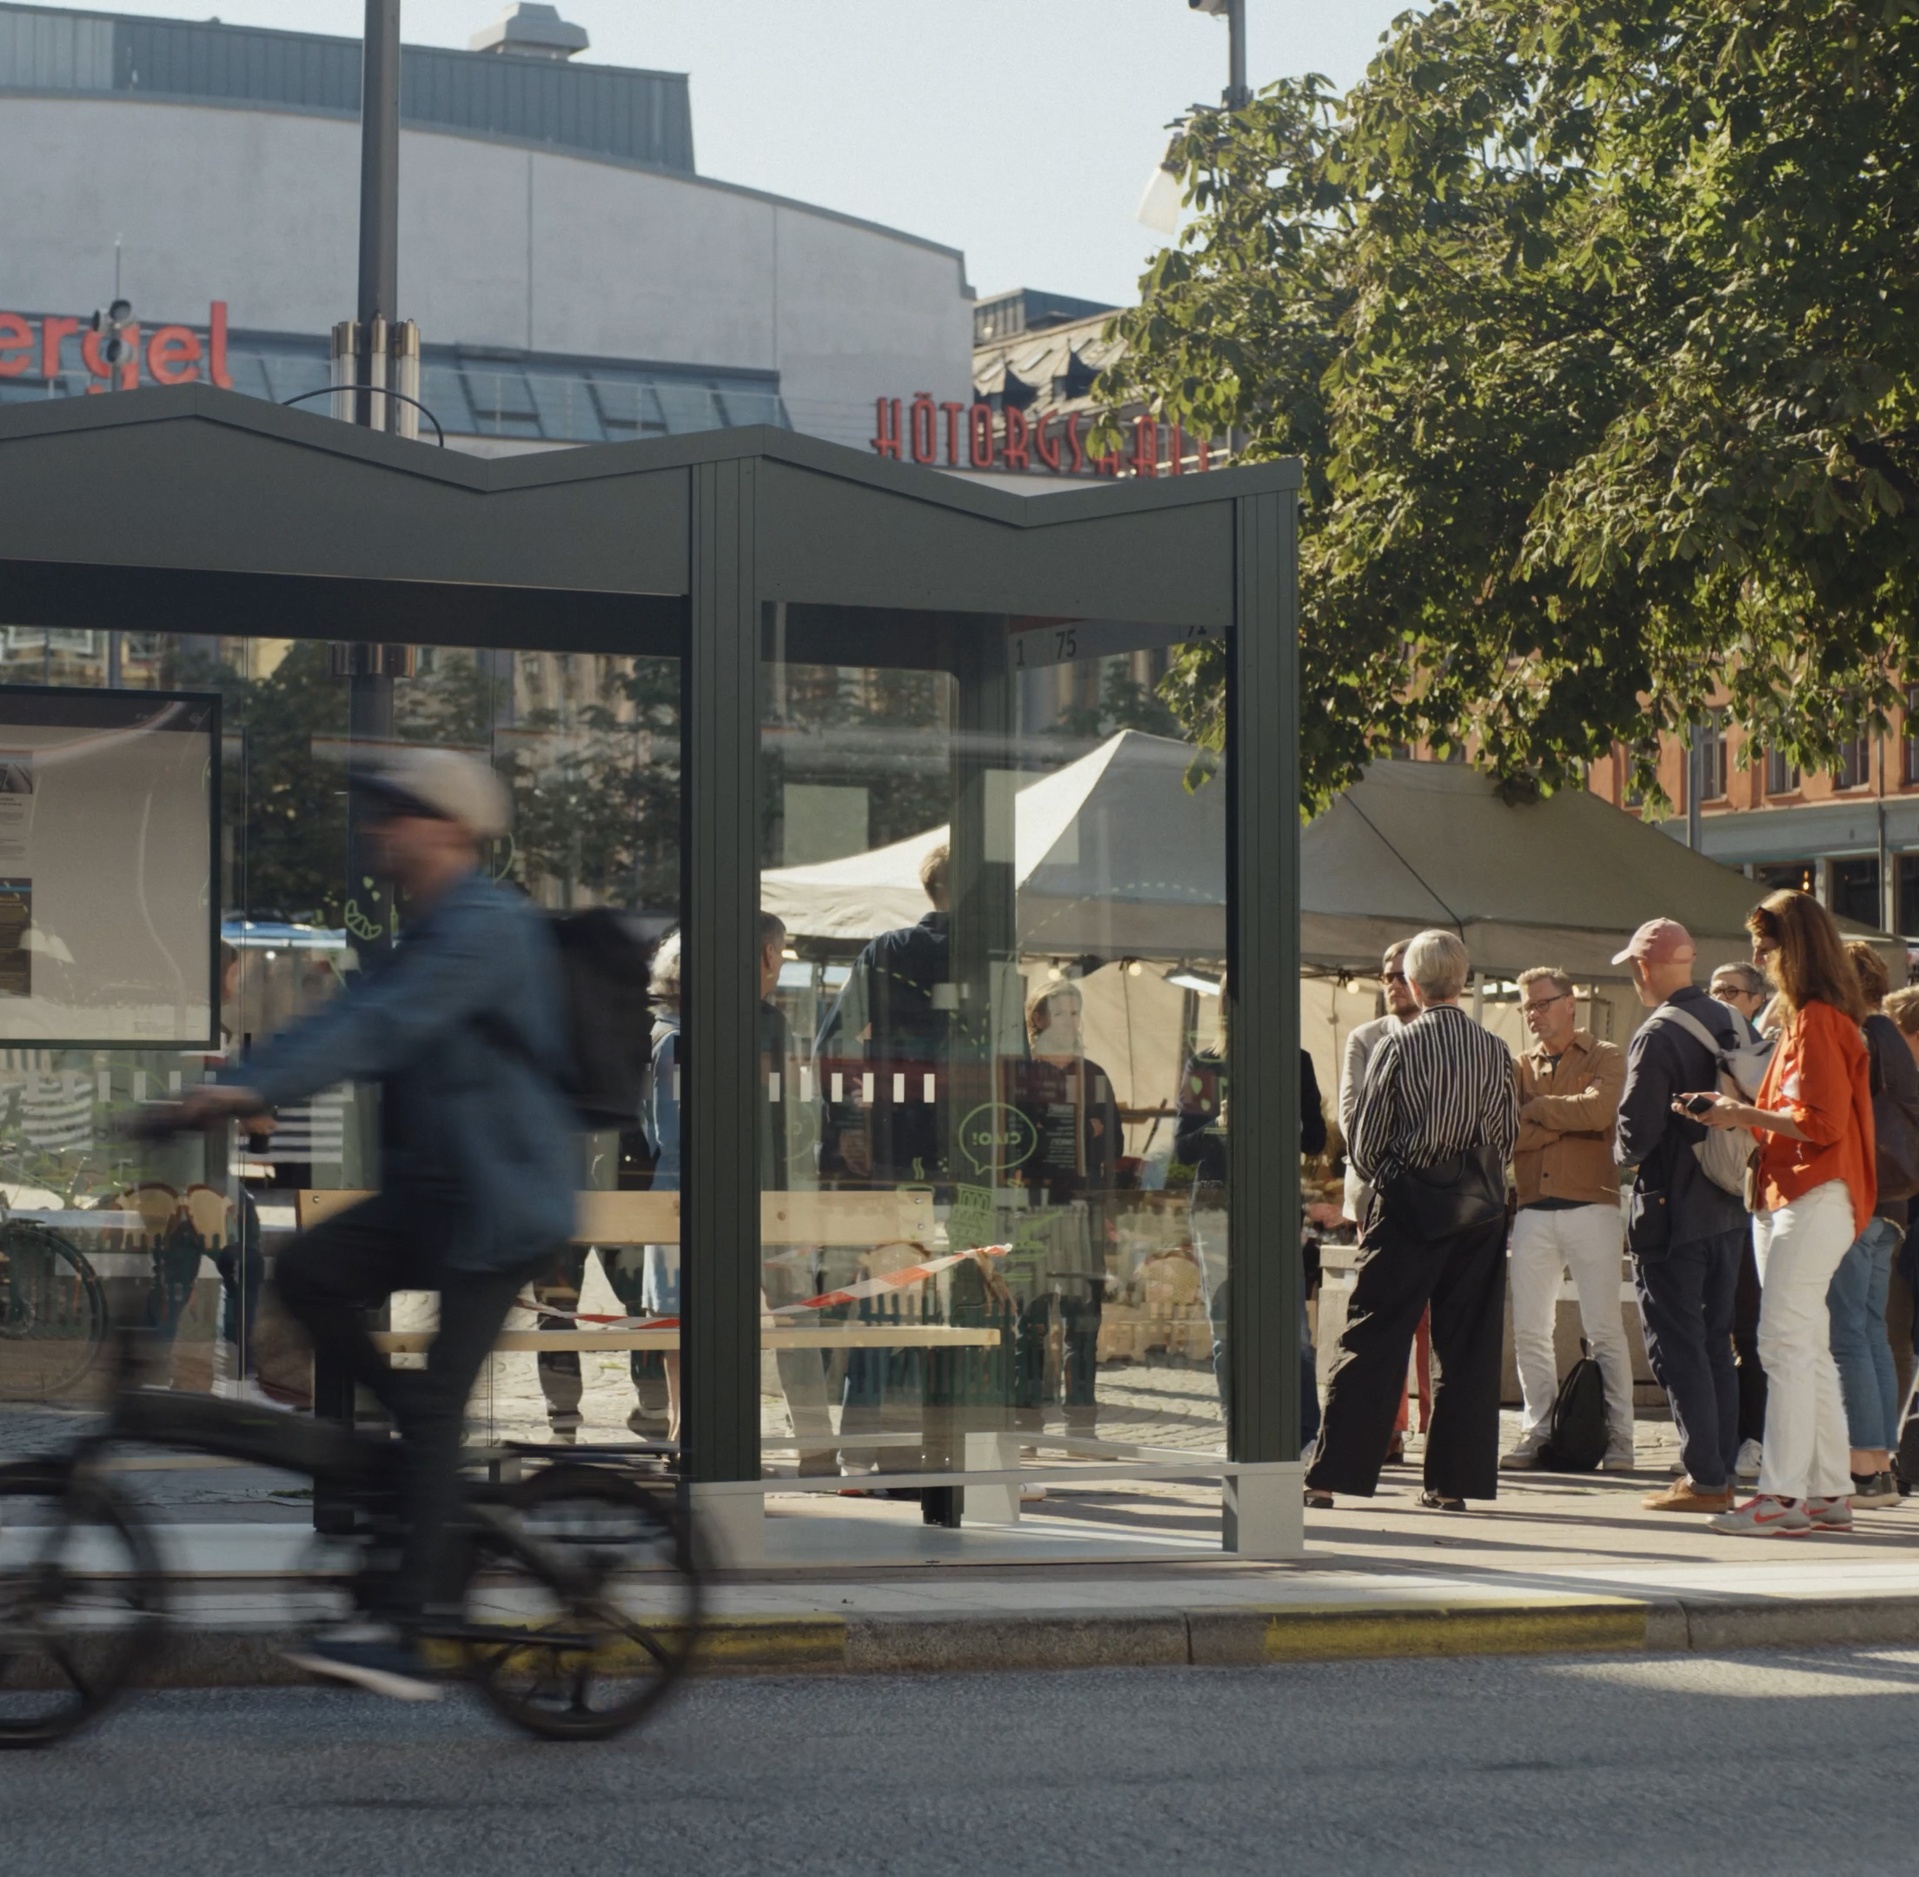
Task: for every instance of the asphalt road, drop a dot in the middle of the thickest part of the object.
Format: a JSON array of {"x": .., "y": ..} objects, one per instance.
[{"x": 1742, "y": 1763}]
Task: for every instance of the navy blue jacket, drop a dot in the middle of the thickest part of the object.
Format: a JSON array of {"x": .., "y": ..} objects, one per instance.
[
  {"x": 1663, "y": 1061},
  {"x": 463, "y": 1026}
]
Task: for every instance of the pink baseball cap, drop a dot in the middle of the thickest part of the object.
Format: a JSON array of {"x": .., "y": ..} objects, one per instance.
[{"x": 1658, "y": 942}]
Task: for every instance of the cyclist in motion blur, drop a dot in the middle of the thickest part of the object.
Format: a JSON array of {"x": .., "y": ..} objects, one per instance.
[{"x": 463, "y": 1026}]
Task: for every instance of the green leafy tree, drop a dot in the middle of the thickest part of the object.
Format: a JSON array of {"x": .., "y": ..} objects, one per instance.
[{"x": 1592, "y": 322}]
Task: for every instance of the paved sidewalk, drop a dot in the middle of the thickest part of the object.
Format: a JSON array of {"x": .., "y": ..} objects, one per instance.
[{"x": 1553, "y": 1565}]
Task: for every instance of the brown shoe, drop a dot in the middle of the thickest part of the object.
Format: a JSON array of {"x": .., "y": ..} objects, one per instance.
[{"x": 1683, "y": 1496}]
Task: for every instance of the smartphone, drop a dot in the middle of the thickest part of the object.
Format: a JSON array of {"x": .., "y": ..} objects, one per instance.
[{"x": 1699, "y": 1104}]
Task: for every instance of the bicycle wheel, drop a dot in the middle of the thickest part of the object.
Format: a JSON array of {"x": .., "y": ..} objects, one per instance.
[
  {"x": 80, "y": 1601},
  {"x": 53, "y": 1314},
  {"x": 581, "y": 1603}
]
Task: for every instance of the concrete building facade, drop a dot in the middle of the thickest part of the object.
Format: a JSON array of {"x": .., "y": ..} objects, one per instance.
[{"x": 536, "y": 251}]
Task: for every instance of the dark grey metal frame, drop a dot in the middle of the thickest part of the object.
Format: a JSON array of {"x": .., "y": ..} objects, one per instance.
[{"x": 230, "y": 515}]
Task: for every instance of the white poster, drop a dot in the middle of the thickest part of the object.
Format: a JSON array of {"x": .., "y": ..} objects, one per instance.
[{"x": 107, "y": 867}]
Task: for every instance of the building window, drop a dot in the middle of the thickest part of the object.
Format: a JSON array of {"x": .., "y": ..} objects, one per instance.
[
  {"x": 1789, "y": 876},
  {"x": 1909, "y": 893},
  {"x": 1909, "y": 763},
  {"x": 1709, "y": 745},
  {"x": 1782, "y": 777},
  {"x": 1855, "y": 890},
  {"x": 1854, "y": 768}
]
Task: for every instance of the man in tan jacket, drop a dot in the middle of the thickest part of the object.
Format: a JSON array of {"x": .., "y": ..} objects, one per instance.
[{"x": 1569, "y": 1215}]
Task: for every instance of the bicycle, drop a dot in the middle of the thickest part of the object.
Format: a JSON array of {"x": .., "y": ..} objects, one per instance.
[
  {"x": 579, "y": 1601},
  {"x": 53, "y": 1313}
]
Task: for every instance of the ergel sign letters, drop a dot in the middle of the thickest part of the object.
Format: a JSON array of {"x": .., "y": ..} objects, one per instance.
[{"x": 168, "y": 355}]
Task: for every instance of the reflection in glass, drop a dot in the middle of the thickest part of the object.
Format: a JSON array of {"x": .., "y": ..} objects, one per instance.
[
  {"x": 1000, "y": 881},
  {"x": 181, "y": 1236}
]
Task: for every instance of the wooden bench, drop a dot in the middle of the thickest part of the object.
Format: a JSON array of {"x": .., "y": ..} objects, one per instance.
[{"x": 858, "y": 1221}]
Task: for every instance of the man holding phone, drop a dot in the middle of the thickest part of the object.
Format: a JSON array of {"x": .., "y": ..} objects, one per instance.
[{"x": 1686, "y": 1235}]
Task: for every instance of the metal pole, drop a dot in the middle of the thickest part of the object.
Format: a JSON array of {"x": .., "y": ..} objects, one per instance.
[
  {"x": 379, "y": 181},
  {"x": 1238, "y": 96}
]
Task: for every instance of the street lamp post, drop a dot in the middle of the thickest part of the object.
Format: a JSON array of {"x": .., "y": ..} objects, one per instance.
[
  {"x": 1238, "y": 94},
  {"x": 379, "y": 197}
]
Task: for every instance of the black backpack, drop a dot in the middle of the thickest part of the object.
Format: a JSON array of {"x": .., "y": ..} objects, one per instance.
[
  {"x": 609, "y": 1025},
  {"x": 1576, "y": 1432}
]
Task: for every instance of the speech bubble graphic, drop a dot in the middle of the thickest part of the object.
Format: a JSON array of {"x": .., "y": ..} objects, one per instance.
[{"x": 996, "y": 1137}]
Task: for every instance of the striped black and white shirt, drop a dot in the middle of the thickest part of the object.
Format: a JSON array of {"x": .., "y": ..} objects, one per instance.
[{"x": 1439, "y": 1084}]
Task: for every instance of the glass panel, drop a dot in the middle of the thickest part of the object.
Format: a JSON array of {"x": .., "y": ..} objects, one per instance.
[
  {"x": 994, "y": 932},
  {"x": 182, "y": 1236}
]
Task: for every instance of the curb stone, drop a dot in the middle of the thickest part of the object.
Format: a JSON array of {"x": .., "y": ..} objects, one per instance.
[
  {"x": 1234, "y": 1637},
  {"x": 907, "y": 1645}
]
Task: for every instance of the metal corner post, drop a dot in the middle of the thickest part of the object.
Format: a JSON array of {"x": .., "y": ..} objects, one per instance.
[
  {"x": 719, "y": 1196},
  {"x": 1262, "y": 1135}
]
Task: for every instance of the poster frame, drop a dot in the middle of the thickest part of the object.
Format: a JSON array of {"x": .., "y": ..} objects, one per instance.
[{"x": 211, "y": 1043}]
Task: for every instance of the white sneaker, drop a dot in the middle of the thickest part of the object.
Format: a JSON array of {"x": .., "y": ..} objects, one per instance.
[
  {"x": 1619, "y": 1460},
  {"x": 1747, "y": 1463},
  {"x": 1523, "y": 1458},
  {"x": 232, "y": 1388}
]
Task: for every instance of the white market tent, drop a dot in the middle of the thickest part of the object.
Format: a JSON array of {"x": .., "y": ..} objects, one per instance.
[{"x": 1115, "y": 857}]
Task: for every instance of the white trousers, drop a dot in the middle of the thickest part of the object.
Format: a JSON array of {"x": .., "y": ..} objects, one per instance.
[
  {"x": 1808, "y": 1450},
  {"x": 1589, "y": 1241}
]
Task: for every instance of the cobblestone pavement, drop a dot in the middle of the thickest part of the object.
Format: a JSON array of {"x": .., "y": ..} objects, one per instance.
[{"x": 1169, "y": 1404}]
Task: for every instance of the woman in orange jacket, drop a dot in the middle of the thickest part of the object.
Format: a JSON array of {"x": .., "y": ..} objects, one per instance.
[{"x": 1814, "y": 1192}]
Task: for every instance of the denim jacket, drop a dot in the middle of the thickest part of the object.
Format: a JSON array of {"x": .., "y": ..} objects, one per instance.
[{"x": 463, "y": 1025}]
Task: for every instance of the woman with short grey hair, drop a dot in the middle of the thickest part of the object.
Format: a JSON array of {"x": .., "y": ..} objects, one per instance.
[{"x": 1435, "y": 1128}]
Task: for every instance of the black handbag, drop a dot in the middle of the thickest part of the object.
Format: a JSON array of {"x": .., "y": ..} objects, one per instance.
[{"x": 1453, "y": 1195}]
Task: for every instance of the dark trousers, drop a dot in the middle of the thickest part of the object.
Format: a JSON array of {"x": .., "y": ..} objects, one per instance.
[
  {"x": 1463, "y": 1278},
  {"x": 329, "y": 1278},
  {"x": 1745, "y": 1343},
  {"x": 1308, "y": 1369},
  {"x": 1686, "y": 1304},
  {"x": 1078, "y": 1382}
]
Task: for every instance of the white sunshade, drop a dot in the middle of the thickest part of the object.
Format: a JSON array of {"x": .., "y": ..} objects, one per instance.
[{"x": 1114, "y": 856}]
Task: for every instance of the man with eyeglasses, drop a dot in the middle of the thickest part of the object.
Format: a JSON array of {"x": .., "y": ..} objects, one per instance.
[
  {"x": 1742, "y": 989},
  {"x": 1569, "y": 1217},
  {"x": 1401, "y": 1008}
]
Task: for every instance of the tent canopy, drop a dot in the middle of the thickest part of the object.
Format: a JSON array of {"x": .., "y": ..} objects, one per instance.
[
  {"x": 1561, "y": 881},
  {"x": 1116, "y": 857},
  {"x": 1113, "y": 857}
]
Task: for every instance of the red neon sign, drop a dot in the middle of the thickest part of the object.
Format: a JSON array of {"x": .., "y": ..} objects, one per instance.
[
  {"x": 171, "y": 355},
  {"x": 978, "y": 437}
]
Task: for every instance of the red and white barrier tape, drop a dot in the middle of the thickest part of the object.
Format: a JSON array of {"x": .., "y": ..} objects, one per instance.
[{"x": 826, "y": 1300}]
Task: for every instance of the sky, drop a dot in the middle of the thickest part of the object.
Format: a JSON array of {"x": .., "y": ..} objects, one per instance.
[{"x": 1021, "y": 131}]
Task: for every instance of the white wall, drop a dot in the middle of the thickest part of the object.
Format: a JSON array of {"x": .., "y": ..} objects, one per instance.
[{"x": 498, "y": 246}]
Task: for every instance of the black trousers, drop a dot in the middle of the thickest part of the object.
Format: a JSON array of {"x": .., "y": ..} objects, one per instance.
[
  {"x": 1686, "y": 1306},
  {"x": 1745, "y": 1343},
  {"x": 1463, "y": 1278},
  {"x": 329, "y": 1278}
]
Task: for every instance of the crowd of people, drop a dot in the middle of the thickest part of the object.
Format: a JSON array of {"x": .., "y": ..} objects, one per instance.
[{"x": 1752, "y": 1152}]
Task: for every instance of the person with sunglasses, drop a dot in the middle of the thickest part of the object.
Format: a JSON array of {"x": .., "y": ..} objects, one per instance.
[
  {"x": 1401, "y": 1008},
  {"x": 1569, "y": 1217},
  {"x": 463, "y": 1026},
  {"x": 1744, "y": 991},
  {"x": 1817, "y": 1189}
]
